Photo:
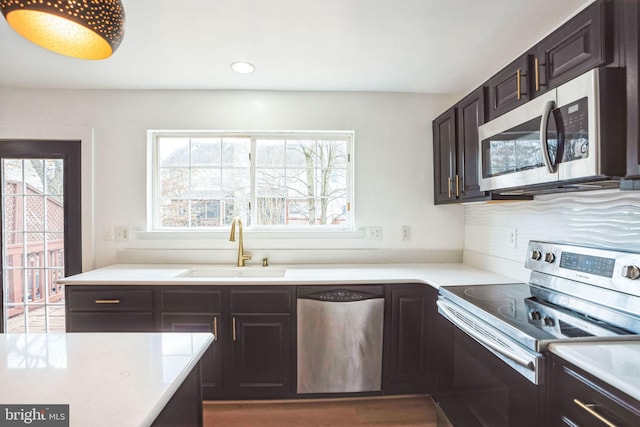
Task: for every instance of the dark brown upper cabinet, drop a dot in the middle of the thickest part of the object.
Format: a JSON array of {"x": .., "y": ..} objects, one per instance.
[
  {"x": 605, "y": 33},
  {"x": 470, "y": 116},
  {"x": 444, "y": 156},
  {"x": 455, "y": 150},
  {"x": 580, "y": 45},
  {"x": 628, "y": 15},
  {"x": 509, "y": 88}
]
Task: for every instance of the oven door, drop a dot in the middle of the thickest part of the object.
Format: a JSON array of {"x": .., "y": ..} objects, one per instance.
[{"x": 477, "y": 382}]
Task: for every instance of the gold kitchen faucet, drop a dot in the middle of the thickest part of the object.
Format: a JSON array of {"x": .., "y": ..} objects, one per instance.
[{"x": 242, "y": 256}]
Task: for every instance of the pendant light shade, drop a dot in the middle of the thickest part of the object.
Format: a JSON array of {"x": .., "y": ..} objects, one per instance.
[{"x": 86, "y": 29}]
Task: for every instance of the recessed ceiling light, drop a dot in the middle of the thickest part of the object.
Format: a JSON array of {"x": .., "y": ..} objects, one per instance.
[{"x": 242, "y": 67}]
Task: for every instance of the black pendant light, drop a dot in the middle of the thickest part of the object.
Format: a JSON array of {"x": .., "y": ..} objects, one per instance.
[{"x": 86, "y": 29}]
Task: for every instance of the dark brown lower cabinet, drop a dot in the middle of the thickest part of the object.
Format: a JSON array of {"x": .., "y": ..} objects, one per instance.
[
  {"x": 197, "y": 310},
  {"x": 410, "y": 312},
  {"x": 185, "y": 407},
  {"x": 112, "y": 309},
  {"x": 260, "y": 362},
  {"x": 110, "y": 322},
  {"x": 253, "y": 355},
  {"x": 577, "y": 398},
  {"x": 211, "y": 362}
]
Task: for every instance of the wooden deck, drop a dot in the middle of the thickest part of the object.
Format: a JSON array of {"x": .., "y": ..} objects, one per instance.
[{"x": 16, "y": 324}]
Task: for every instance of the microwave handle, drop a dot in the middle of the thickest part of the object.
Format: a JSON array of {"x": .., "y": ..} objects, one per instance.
[{"x": 544, "y": 145}]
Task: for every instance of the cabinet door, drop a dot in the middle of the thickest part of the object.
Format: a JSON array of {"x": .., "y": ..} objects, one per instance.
[
  {"x": 444, "y": 157},
  {"x": 211, "y": 362},
  {"x": 260, "y": 358},
  {"x": 576, "y": 47},
  {"x": 114, "y": 321},
  {"x": 509, "y": 88},
  {"x": 578, "y": 398},
  {"x": 470, "y": 115},
  {"x": 185, "y": 406},
  {"x": 408, "y": 354}
]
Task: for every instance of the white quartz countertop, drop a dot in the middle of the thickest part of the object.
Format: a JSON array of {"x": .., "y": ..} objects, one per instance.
[
  {"x": 436, "y": 275},
  {"x": 106, "y": 379},
  {"x": 617, "y": 363}
]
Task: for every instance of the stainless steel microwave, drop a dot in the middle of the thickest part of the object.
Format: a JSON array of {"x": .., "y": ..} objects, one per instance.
[{"x": 569, "y": 138}]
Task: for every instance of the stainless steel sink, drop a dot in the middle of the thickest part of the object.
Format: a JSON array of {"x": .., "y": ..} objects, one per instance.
[{"x": 222, "y": 272}]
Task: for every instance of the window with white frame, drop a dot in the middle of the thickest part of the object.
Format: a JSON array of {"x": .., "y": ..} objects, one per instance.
[{"x": 272, "y": 180}]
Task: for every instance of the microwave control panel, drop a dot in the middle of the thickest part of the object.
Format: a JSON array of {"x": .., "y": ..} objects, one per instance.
[{"x": 573, "y": 123}]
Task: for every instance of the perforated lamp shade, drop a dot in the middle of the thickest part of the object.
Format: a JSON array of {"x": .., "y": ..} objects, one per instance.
[{"x": 86, "y": 29}]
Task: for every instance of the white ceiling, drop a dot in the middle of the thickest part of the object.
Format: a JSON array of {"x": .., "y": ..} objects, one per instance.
[{"x": 425, "y": 46}]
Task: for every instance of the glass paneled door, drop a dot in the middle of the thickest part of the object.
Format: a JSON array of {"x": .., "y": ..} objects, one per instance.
[{"x": 36, "y": 234}]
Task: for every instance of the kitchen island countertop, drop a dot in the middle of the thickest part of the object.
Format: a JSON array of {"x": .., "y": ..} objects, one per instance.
[
  {"x": 434, "y": 274},
  {"x": 107, "y": 379},
  {"x": 617, "y": 363}
]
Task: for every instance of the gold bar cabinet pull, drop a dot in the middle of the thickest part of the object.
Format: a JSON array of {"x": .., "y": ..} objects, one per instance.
[
  {"x": 449, "y": 185},
  {"x": 589, "y": 408},
  {"x": 107, "y": 301},
  {"x": 457, "y": 186},
  {"x": 215, "y": 329},
  {"x": 537, "y": 66},
  {"x": 518, "y": 96},
  {"x": 233, "y": 329}
]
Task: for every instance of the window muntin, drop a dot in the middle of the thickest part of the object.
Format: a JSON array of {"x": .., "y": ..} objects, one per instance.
[{"x": 271, "y": 181}]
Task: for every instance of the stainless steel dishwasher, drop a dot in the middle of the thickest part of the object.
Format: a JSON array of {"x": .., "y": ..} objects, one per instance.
[{"x": 340, "y": 339}]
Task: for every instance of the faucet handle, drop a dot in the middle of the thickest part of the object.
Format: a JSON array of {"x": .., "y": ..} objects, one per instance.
[{"x": 244, "y": 257}]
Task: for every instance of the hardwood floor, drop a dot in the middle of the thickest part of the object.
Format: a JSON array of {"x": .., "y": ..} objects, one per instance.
[{"x": 378, "y": 411}]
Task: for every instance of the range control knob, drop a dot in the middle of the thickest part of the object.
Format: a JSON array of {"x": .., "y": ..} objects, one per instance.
[
  {"x": 535, "y": 315},
  {"x": 549, "y": 257},
  {"x": 631, "y": 272},
  {"x": 536, "y": 255},
  {"x": 548, "y": 321}
]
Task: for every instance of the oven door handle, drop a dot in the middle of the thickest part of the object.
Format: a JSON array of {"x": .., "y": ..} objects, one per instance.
[{"x": 450, "y": 315}]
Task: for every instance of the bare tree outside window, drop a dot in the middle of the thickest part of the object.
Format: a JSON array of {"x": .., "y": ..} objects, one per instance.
[
  {"x": 268, "y": 181},
  {"x": 309, "y": 177}
]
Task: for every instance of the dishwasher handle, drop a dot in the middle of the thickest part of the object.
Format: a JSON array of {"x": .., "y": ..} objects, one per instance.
[{"x": 341, "y": 294}]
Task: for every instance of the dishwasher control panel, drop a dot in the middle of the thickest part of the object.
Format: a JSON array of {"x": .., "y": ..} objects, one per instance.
[
  {"x": 346, "y": 294},
  {"x": 341, "y": 296}
]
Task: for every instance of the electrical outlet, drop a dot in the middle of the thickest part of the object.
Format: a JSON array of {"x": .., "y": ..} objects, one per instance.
[
  {"x": 512, "y": 238},
  {"x": 374, "y": 233},
  {"x": 406, "y": 233},
  {"x": 121, "y": 233}
]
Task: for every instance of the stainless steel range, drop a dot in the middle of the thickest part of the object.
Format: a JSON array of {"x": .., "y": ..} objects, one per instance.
[{"x": 574, "y": 293}]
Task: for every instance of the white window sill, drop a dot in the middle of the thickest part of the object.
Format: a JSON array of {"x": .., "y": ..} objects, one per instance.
[{"x": 250, "y": 234}]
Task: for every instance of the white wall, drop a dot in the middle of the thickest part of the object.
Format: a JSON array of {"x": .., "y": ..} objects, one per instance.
[
  {"x": 393, "y": 162},
  {"x": 609, "y": 219}
]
